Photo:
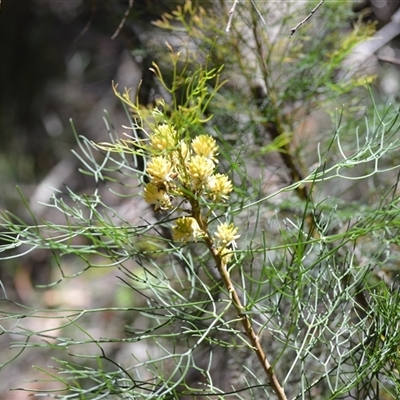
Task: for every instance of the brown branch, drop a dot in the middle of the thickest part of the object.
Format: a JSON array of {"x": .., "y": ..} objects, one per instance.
[
  {"x": 275, "y": 127},
  {"x": 248, "y": 328},
  {"x": 244, "y": 318}
]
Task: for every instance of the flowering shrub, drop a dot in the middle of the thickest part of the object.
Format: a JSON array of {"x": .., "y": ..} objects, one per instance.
[
  {"x": 183, "y": 170},
  {"x": 295, "y": 298}
]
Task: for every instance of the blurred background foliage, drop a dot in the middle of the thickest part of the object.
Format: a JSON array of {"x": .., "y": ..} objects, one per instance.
[{"x": 59, "y": 59}]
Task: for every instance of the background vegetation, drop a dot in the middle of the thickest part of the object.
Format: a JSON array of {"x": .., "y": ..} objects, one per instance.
[{"x": 97, "y": 292}]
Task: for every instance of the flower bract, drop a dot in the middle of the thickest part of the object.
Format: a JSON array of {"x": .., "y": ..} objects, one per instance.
[
  {"x": 154, "y": 195},
  {"x": 186, "y": 229}
]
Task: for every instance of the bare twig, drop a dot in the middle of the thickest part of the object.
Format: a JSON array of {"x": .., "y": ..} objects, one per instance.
[
  {"x": 293, "y": 30},
  {"x": 232, "y": 11},
  {"x": 124, "y": 18},
  {"x": 258, "y": 11}
]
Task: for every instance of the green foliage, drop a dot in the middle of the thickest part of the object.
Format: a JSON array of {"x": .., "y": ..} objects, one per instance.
[{"x": 306, "y": 305}]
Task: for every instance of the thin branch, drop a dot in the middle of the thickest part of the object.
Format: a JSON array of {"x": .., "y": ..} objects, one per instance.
[
  {"x": 248, "y": 328},
  {"x": 293, "y": 30},
  {"x": 236, "y": 302},
  {"x": 258, "y": 12},
  {"x": 232, "y": 11},
  {"x": 240, "y": 310},
  {"x": 124, "y": 18}
]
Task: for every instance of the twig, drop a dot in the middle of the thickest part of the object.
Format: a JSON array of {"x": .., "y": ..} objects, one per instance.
[
  {"x": 293, "y": 30},
  {"x": 258, "y": 12},
  {"x": 232, "y": 11},
  {"x": 124, "y": 18}
]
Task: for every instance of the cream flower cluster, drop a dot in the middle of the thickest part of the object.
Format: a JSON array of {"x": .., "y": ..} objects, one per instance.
[{"x": 177, "y": 167}]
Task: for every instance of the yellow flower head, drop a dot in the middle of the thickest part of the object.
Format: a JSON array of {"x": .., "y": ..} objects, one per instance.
[
  {"x": 206, "y": 146},
  {"x": 164, "y": 138},
  {"x": 160, "y": 169},
  {"x": 226, "y": 235},
  {"x": 153, "y": 195},
  {"x": 219, "y": 187},
  {"x": 186, "y": 229},
  {"x": 199, "y": 169}
]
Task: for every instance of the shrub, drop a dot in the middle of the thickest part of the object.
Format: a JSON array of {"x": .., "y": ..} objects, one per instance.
[{"x": 242, "y": 270}]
